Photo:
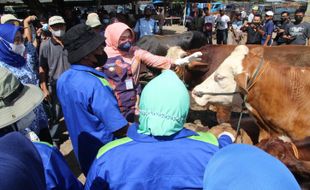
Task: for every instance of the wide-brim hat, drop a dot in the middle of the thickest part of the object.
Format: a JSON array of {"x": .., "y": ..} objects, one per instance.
[
  {"x": 27, "y": 98},
  {"x": 80, "y": 41},
  {"x": 9, "y": 17}
]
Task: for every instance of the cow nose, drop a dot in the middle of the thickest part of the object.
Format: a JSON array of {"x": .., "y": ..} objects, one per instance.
[{"x": 197, "y": 93}]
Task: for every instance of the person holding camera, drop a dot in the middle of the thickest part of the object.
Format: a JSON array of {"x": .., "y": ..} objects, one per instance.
[
  {"x": 252, "y": 30},
  {"x": 298, "y": 32},
  {"x": 285, "y": 21}
]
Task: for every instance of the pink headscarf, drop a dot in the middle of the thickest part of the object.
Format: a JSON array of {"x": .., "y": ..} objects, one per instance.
[{"x": 112, "y": 34}]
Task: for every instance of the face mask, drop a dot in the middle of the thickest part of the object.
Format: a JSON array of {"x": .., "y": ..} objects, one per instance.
[
  {"x": 106, "y": 21},
  {"x": 26, "y": 121},
  {"x": 18, "y": 49},
  {"x": 298, "y": 19},
  {"x": 283, "y": 19},
  {"x": 58, "y": 33},
  {"x": 101, "y": 59},
  {"x": 125, "y": 46}
]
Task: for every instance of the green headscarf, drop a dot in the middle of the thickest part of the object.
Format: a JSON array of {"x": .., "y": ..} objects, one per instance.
[{"x": 164, "y": 105}]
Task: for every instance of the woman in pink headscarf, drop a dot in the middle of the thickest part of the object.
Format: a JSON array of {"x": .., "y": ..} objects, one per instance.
[{"x": 123, "y": 66}]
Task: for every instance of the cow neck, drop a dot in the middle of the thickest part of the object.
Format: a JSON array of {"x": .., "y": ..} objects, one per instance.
[{"x": 260, "y": 69}]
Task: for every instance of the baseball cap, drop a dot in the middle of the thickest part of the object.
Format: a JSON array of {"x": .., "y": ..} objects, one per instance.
[
  {"x": 56, "y": 20},
  {"x": 93, "y": 20},
  {"x": 255, "y": 8},
  {"x": 269, "y": 13}
]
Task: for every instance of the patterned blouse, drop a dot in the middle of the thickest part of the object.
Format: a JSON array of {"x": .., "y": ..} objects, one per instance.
[{"x": 28, "y": 74}]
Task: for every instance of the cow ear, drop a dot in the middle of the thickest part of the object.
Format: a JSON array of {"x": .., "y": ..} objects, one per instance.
[{"x": 242, "y": 81}]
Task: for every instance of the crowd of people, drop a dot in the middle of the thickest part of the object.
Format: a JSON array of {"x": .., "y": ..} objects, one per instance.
[
  {"x": 252, "y": 26},
  {"x": 123, "y": 137}
]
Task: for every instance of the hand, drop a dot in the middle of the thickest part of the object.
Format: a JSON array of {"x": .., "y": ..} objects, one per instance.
[
  {"x": 47, "y": 95},
  {"x": 186, "y": 60},
  {"x": 30, "y": 19}
]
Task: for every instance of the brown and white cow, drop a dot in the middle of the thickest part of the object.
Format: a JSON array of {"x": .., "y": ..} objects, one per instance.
[{"x": 279, "y": 94}]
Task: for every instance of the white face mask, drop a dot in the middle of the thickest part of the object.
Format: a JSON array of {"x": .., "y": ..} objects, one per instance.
[
  {"x": 58, "y": 33},
  {"x": 18, "y": 49},
  {"x": 26, "y": 121}
]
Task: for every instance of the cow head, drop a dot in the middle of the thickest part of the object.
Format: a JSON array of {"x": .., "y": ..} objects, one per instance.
[
  {"x": 176, "y": 52},
  {"x": 220, "y": 87}
]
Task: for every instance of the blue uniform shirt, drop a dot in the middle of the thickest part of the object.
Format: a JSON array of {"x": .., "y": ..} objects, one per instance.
[
  {"x": 145, "y": 162},
  {"x": 58, "y": 175},
  {"x": 268, "y": 29},
  {"x": 91, "y": 111},
  {"x": 146, "y": 27}
]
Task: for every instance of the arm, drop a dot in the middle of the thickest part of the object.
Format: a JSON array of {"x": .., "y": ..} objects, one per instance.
[
  {"x": 27, "y": 28},
  {"x": 59, "y": 175},
  {"x": 225, "y": 138},
  {"x": 156, "y": 28},
  {"x": 43, "y": 70},
  {"x": 43, "y": 85},
  {"x": 153, "y": 60},
  {"x": 268, "y": 38},
  {"x": 137, "y": 29},
  {"x": 105, "y": 108},
  {"x": 269, "y": 31}
]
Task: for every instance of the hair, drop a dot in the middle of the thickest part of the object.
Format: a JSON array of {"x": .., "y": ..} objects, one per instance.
[
  {"x": 300, "y": 11},
  {"x": 258, "y": 15},
  {"x": 285, "y": 12}
]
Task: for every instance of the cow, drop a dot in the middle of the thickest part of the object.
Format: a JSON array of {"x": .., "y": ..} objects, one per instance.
[
  {"x": 277, "y": 95},
  {"x": 275, "y": 84},
  {"x": 287, "y": 152},
  {"x": 159, "y": 45}
]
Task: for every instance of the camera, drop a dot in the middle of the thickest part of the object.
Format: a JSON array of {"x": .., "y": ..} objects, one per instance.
[{"x": 36, "y": 23}]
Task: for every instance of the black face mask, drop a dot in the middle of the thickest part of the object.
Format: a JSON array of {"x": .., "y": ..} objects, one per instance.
[
  {"x": 298, "y": 19},
  {"x": 101, "y": 59},
  {"x": 283, "y": 20}
]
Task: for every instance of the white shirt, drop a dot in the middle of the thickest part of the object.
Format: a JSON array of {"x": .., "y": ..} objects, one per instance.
[
  {"x": 210, "y": 19},
  {"x": 222, "y": 22},
  {"x": 250, "y": 17}
]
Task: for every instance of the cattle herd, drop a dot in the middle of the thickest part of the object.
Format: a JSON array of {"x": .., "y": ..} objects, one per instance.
[{"x": 271, "y": 84}]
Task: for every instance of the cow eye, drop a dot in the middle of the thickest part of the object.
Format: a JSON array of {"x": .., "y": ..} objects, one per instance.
[{"x": 218, "y": 77}]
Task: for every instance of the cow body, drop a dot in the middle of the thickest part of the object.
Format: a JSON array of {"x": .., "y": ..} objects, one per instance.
[
  {"x": 279, "y": 96},
  {"x": 159, "y": 45}
]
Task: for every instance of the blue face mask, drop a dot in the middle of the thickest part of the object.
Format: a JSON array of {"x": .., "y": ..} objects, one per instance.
[
  {"x": 125, "y": 46},
  {"x": 106, "y": 21}
]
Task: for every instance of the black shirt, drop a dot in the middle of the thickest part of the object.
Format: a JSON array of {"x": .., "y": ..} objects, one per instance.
[{"x": 254, "y": 37}]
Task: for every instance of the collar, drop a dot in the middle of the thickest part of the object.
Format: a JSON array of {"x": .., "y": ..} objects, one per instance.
[
  {"x": 133, "y": 134},
  {"x": 88, "y": 69}
]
